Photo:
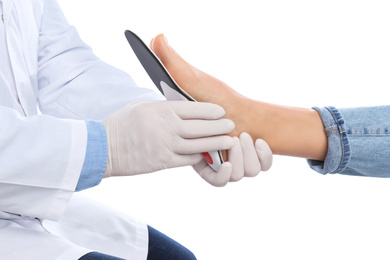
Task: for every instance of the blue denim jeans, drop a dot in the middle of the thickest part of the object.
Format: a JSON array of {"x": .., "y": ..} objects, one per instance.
[
  {"x": 161, "y": 247},
  {"x": 358, "y": 141}
]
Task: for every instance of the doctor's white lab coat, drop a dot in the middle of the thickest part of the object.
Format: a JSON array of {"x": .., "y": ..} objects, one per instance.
[{"x": 44, "y": 63}]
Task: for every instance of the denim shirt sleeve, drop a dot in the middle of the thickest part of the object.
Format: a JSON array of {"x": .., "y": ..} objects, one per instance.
[
  {"x": 358, "y": 141},
  {"x": 95, "y": 158}
]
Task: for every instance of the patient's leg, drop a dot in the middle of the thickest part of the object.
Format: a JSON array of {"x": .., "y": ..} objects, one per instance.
[{"x": 288, "y": 130}]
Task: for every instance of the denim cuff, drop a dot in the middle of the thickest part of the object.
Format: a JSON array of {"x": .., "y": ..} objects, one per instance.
[
  {"x": 95, "y": 158},
  {"x": 339, "y": 152}
]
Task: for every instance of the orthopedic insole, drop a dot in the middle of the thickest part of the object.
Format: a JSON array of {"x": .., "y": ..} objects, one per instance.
[{"x": 165, "y": 84}]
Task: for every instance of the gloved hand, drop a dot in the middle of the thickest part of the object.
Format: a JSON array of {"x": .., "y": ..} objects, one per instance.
[
  {"x": 144, "y": 137},
  {"x": 244, "y": 160}
]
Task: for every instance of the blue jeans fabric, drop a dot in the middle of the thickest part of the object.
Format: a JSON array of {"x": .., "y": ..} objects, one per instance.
[
  {"x": 161, "y": 247},
  {"x": 99, "y": 256},
  {"x": 358, "y": 141}
]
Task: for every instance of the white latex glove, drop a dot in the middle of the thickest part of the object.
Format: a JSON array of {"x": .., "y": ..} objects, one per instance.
[
  {"x": 145, "y": 137},
  {"x": 245, "y": 160}
]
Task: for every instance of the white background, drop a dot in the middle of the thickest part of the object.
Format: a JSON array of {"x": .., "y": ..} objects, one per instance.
[{"x": 298, "y": 53}]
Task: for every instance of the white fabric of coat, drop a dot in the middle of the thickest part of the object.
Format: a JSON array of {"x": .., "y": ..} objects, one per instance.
[{"x": 44, "y": 63}]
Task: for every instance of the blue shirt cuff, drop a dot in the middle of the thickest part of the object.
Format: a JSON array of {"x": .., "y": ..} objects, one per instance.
[{"x": 95, "y": 158}]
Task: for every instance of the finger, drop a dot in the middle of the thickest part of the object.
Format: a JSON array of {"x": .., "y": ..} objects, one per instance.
[
  {"x": 236, "y": 159},
  {"x": 197, "y": 110},
  {"x": 204, "y": 128},
  {"x": 201, "y": 145},
  {"x": 252, "y": 165},
  {"x": 184, "y": 160},
  {"x": 264, "y": 153},
  {"x": 218, "y": 179}
]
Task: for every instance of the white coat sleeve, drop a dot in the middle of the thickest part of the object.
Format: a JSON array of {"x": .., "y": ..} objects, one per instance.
[
  {"x": 41, "y": 158},
  {"x": 73, "y": 82}
]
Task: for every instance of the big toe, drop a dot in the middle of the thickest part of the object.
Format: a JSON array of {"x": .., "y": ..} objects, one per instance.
[
  {"x": 180, "y": 70},
  {"x": 159, "y": 46}
]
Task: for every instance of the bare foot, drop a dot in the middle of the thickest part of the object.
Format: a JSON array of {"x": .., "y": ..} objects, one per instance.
[
  {"x": 287, "y": 130},
  {"x": 201, "y": 86}
]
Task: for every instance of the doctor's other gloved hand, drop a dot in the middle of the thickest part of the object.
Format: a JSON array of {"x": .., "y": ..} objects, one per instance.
[
  {"x": 145, "y": 137},
  {"x": 245, "y": 159}
]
